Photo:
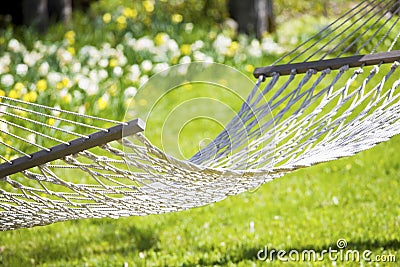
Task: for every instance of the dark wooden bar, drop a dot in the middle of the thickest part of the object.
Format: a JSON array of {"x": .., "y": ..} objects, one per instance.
[
  {"x": 75, "y": 146},
  {"x": 333, "y": 64}
]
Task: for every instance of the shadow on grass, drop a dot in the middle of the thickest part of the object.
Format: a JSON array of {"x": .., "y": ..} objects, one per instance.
[{"x": 108, "y": 238}]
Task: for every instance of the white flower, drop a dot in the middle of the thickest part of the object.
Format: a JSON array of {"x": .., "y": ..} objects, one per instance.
[
  {"x": 4, "y": 127},
  {"x": 134, "y": 73},
  {"x": 255, "y": 50},
  {"x": 30, "y": 59},
  {"x": 144, "y": 43},
  {"x": 268, "y": 45},
  {"x": 197, "y": 45},
  {"x": 82, "y": 109},
  {"x": 15, "y": 46},
  {"x": 118, "y": 71},
  {"x": 199, "y": 56},
  {"x": 88, "y": 85},
  {"x": 31, "y": 137},
  {"x": 5, "y": 62},
  {"x": 7, "y": 80},
  {"x": 185, "y": 60},
  {"x": 54, "y": 78},
  {"x": 103, "y": 63},
  {"x": 103, "y": 74},
  {"x": 21, "y": 69},
  {"x": 93, "y": 75},
  {"x": 146, "y": 65},
  {"x": 143, "y": 80},
  {"x": 76, "y": 67},
  {"x": 173, "y": 47},
  {"x": 182, "y": 69},
  {"x": 56, "y": 112},
  {"x": 222, "y": 43},
  {"x": 64, "y": 56},
  {"x": 83, "y": 82},
  {"x": 44, "y": 69},
  {"x": 130, "y": 91},
  {"x": 189, "y": 27},
  {"x": 160, "y": 67}
]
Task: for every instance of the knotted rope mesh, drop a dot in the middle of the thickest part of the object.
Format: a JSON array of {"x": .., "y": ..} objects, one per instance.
[{"x": 317, "y": 117}]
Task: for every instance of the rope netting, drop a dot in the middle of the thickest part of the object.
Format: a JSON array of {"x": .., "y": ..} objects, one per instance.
[{"x": 316, "y": 117}]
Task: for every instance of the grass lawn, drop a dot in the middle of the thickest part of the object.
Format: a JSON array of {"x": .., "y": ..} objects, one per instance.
[{"x": 352, "y": 198}]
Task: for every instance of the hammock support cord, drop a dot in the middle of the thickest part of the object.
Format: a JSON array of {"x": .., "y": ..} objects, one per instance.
[{"x": 319, "y": 115}]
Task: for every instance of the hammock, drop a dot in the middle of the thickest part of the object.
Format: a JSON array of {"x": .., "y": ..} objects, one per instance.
[{"x": 335, "y": 96}]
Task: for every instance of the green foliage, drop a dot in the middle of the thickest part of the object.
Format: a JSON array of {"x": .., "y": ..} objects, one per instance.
[{"x": 354, "y": 198}]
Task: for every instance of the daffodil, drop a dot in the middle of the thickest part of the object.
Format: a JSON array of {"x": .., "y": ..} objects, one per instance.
[
  {"x": 41, "y": 85},
  {"x": 148, "y": 6},
  {"x": 177, "y": 18},
  {"x": 30, "y": 97},
  {"x": 121, "y": 22},
  {"x": 185, "y": 49},
  {"x": 130, "y": 13},
  {"x": 102, "y": 102},
  {"x": 51, "y": 121},
  {"x": 107, "y": 18},
  {"x": 14, "y": 94}
]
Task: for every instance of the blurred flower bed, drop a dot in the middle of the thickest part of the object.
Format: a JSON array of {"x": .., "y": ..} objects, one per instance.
[{"x": 97, "y": 64}]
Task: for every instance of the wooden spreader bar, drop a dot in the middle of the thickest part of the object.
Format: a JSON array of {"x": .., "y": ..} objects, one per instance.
[
  {"x": 333, "y": 64},
  {"x": 74, "y": 146}
]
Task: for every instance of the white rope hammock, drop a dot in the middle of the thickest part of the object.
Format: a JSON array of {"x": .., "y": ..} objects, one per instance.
[{"x": 319, "y": 115}]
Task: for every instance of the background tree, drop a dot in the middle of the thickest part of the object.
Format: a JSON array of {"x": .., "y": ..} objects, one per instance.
[{"x": 253, "y": 16}]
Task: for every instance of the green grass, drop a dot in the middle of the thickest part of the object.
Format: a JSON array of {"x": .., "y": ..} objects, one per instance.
[
  {"x": 353, "y": 198},
  {"x": 298, "y": 211}
]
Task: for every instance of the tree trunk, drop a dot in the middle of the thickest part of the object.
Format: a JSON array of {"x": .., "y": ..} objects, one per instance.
[
  {"x": 39, "y": 13},
  {"x": 253, "y": 16},
  {"x": 35, "y": 13}
]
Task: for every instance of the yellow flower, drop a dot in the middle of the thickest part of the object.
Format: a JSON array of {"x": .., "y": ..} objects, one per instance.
[
  {"x": 102, "y": 103},
  {"x": 65, "y": 81},
  {"x": 66, "y": 98},
  {"x": 130, "y": 13},
  {"x": 70, "y": 37},
  {"x": 148, "y": 6},
  {"x": 121, "y": 22},
  {"x": 14, "y": 94},
  {"x": 185, "y": 49},
  {"x": 30, "y": 97},
  {"x": 51, "y": 121},
  {"x": 107, "y": 18},
  {"x": 41, "y": 85},
  {"x": 176, "y": 18},
  {"x": 160, "y": 38},
  {"x": 2, "y": 93},
  {"x": 71, "y": 50},
  {"x": 113, "y": 89},
  {"x": 249, "y": 68},
  {"x": 113, "y": 62},
  {"x": 19, "y": 86},
  {"x": 233, "y": 48}
]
